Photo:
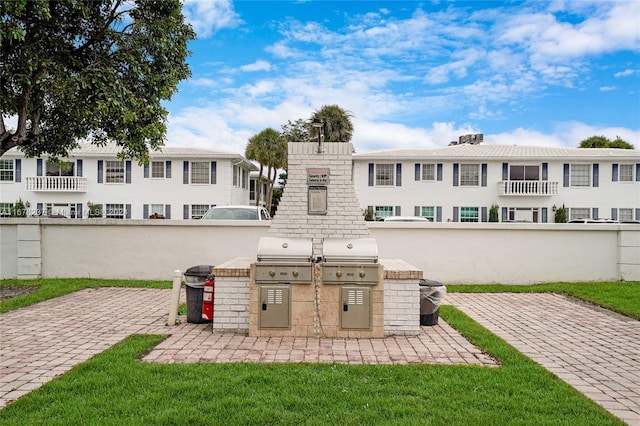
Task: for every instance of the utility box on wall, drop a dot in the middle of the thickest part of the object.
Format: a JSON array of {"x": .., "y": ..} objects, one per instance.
[
  {"x": 356, "y": 308},
  {"x": 275, "y": 306}
]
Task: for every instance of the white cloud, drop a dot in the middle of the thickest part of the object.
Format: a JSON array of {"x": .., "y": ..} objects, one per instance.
[
  {"x": 259, "y": 65},
  {"x": 607, "y": 88},
  {"x": 625, "y": 73},
  {"x": 210, "y": 16}
]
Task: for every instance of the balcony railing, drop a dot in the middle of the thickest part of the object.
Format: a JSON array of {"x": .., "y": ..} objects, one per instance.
[
  {"x": 56, "y": 184},
  {"x": 527, "y": 187}
]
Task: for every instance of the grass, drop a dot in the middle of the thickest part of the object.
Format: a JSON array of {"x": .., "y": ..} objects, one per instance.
[
  {"x": 114, "y": 387},
  {"x": 622, "y": 297}
]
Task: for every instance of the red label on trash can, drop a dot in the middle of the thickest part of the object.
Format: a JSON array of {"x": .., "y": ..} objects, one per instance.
[{"x": 207, "y": 300}]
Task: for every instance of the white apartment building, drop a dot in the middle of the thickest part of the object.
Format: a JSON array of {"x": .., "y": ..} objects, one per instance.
[
  {"x": 457, "y": 183},
  {"x": 460, "y": 183},
  {"x": 178, "y": 183}
]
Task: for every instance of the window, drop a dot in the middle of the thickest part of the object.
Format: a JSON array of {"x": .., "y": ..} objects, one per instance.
[
  {"x": 198, "y": 210},
  {"x": 383, "y": 211},
  {"x": 626, "y": 172},
  {"x": 252, "y": 190},
  {"x": 469, "y": 214},
  {"x": 200, "y": 172},
  {"x": 519, "y": 214},
  {"x": 6, "y": 171},
  {"x": 524, "y": 173},
  {"x": 580, "y": 175},
  {"x": 428, "y": 172},
  {"x": 157, "y": 169},
  {"x": 5, "y": 209},
  {"x": 469, "y": 174},
  {"x": 245, "y": 178},
  {"x": 385, "y": 174},
  {"x": 157, "y": 209},
  {"x": 114, "y": 211},
  {"x": 625, "y": 214},
  {"x": 114, "y": 172},
  {"x": 579, "y": 213},
  {"x": 60, "y": 169},
  {"x": 240, "y": 177},
  {"x": 428, "y": 213}
]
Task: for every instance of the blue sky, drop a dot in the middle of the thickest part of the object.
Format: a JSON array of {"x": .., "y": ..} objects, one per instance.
[{"x": 413, "y": 74}]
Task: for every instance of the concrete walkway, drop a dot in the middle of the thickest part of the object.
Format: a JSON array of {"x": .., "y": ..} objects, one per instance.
[{"x": 595, "y": 351}]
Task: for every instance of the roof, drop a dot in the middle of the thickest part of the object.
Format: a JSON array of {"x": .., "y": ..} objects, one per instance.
[{"x": 488, "y": 152}]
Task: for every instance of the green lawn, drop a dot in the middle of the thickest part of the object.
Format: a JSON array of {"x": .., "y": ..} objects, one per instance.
[{"x": 116, "y": 388}]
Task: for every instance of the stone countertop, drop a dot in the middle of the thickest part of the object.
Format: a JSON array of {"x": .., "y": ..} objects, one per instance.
[{"x": 394, "y": 269}]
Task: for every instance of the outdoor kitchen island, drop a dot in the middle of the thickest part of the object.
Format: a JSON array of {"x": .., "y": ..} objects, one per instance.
[{"x": 317, "y": 273}]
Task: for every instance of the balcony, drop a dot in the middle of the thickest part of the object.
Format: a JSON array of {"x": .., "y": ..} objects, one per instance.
[
  {"x": 527, "y": 188},
  {"x": 56, "y": 184}
]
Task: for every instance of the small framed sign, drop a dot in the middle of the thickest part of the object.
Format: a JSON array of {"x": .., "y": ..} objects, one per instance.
[
  {"x": 317, "y": 176},
  {"x": 317, "y": 200}
]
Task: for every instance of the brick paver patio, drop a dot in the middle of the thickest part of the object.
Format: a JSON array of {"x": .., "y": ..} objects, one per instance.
[{"x": 594, "y": 350}]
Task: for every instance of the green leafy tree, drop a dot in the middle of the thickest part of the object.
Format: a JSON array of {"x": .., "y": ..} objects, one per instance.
[
  {"x": 297, "y": 131},
  {"x": 560, "y": 215},
  {"x": 337, "y": 125},
  {"x": 269, "y": 149},
  {"x": 89, "y": 70},
  {"x": 603, "y": 142},
  {"x": 493, "y": 214}
]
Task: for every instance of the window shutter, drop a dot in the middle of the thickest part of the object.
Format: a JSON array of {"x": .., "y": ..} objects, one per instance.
[
  {"x": 614, "y": 213},
  {"x": 167, "y": 172},
  {"x": 416, "y": 211},
  {"x": 594, "y": 213},
  {"x": 505, "y": 171},
  {"x": 614, "y": 173},
  {"x": 79, "y": 208},
  {"x": 39, "y": 208},
  {"x": 439, "y": 214},
  {"x": 146, "y": 171},
  {"x": 484, "y": 174},
  {"x": 565, "y": 176},
  {"x": 213, "y": 172},
  {"x": 370, "y": 208},
  {"x": 39, "y": 167},
  {"x": 484, "y": 214},
  {"x": 418, "y": 171},
  {"x": 399, "y": 174},
  {"x": 596, "y": 175},
  {"x": 185, "y": 211},
  {"x": 505, "y": 214},
  {"x": 398, "y": 210},
  {"x": 456, "y": 167},
  {"x": 371, "y": 165},
  {"x": 545, "y": 171},
  {"x": 185, "y": 174},
  {"x": 79, "y": 164},
  {"x": 145, "y": 211},
  {"x": 127, "y": 167},
  {"x": 100, "y": 171},
  {"x": 127, "y": 211},
  {"x": 439, "y": 172},
  {"x": 637, "y": 214},
  {"x": 18, "y": 175},
  {"x": 638, "y": 172},
  {"x": 455, "y": 214},
  {"x": 545, "y": 217},
  {"x": 167, "y": 211}
]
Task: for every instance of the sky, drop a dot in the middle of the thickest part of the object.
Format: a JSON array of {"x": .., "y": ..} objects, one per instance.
[{"x": 413, "y": 74}]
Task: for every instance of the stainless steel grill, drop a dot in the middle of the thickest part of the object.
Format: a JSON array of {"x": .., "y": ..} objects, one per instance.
[
  {"x": 350, "y": 261},
  {"x": 284, "y": 260}
]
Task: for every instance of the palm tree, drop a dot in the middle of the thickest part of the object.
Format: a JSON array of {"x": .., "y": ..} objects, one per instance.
[
  {"x": 337, "y": 123},
  {"x": 269, "y": 148}
]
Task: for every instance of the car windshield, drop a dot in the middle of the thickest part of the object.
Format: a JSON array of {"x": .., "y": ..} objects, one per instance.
[{"x": 232, "y": 213}]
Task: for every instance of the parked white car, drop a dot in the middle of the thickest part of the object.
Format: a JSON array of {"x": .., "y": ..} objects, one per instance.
[
  {"x": 237, "y": 213},
  {"x": 405, "y": 219}
]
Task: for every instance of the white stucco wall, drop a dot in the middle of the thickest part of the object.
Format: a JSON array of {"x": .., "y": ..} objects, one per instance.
[{"x": 447, "y": 252}]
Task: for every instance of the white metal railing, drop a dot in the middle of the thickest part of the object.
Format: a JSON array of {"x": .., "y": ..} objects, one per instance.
[
  {"x": 527, "y": 187},
  {"x": 56, "y": 183}
]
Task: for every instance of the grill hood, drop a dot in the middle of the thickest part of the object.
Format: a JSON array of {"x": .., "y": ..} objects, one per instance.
[
  {"x": 285, "y": 250},
  {"x": 350, "y": 250}
]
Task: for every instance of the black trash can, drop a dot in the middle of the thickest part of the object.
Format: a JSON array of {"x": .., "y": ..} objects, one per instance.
[
  {"x": 194, "y": 278},
  {"x": 431, "y": 295}
]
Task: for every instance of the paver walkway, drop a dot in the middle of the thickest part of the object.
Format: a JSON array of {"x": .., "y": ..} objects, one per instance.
[
  {"x": 43, "y": 341},
  {"x": 594, "y": 350}
]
